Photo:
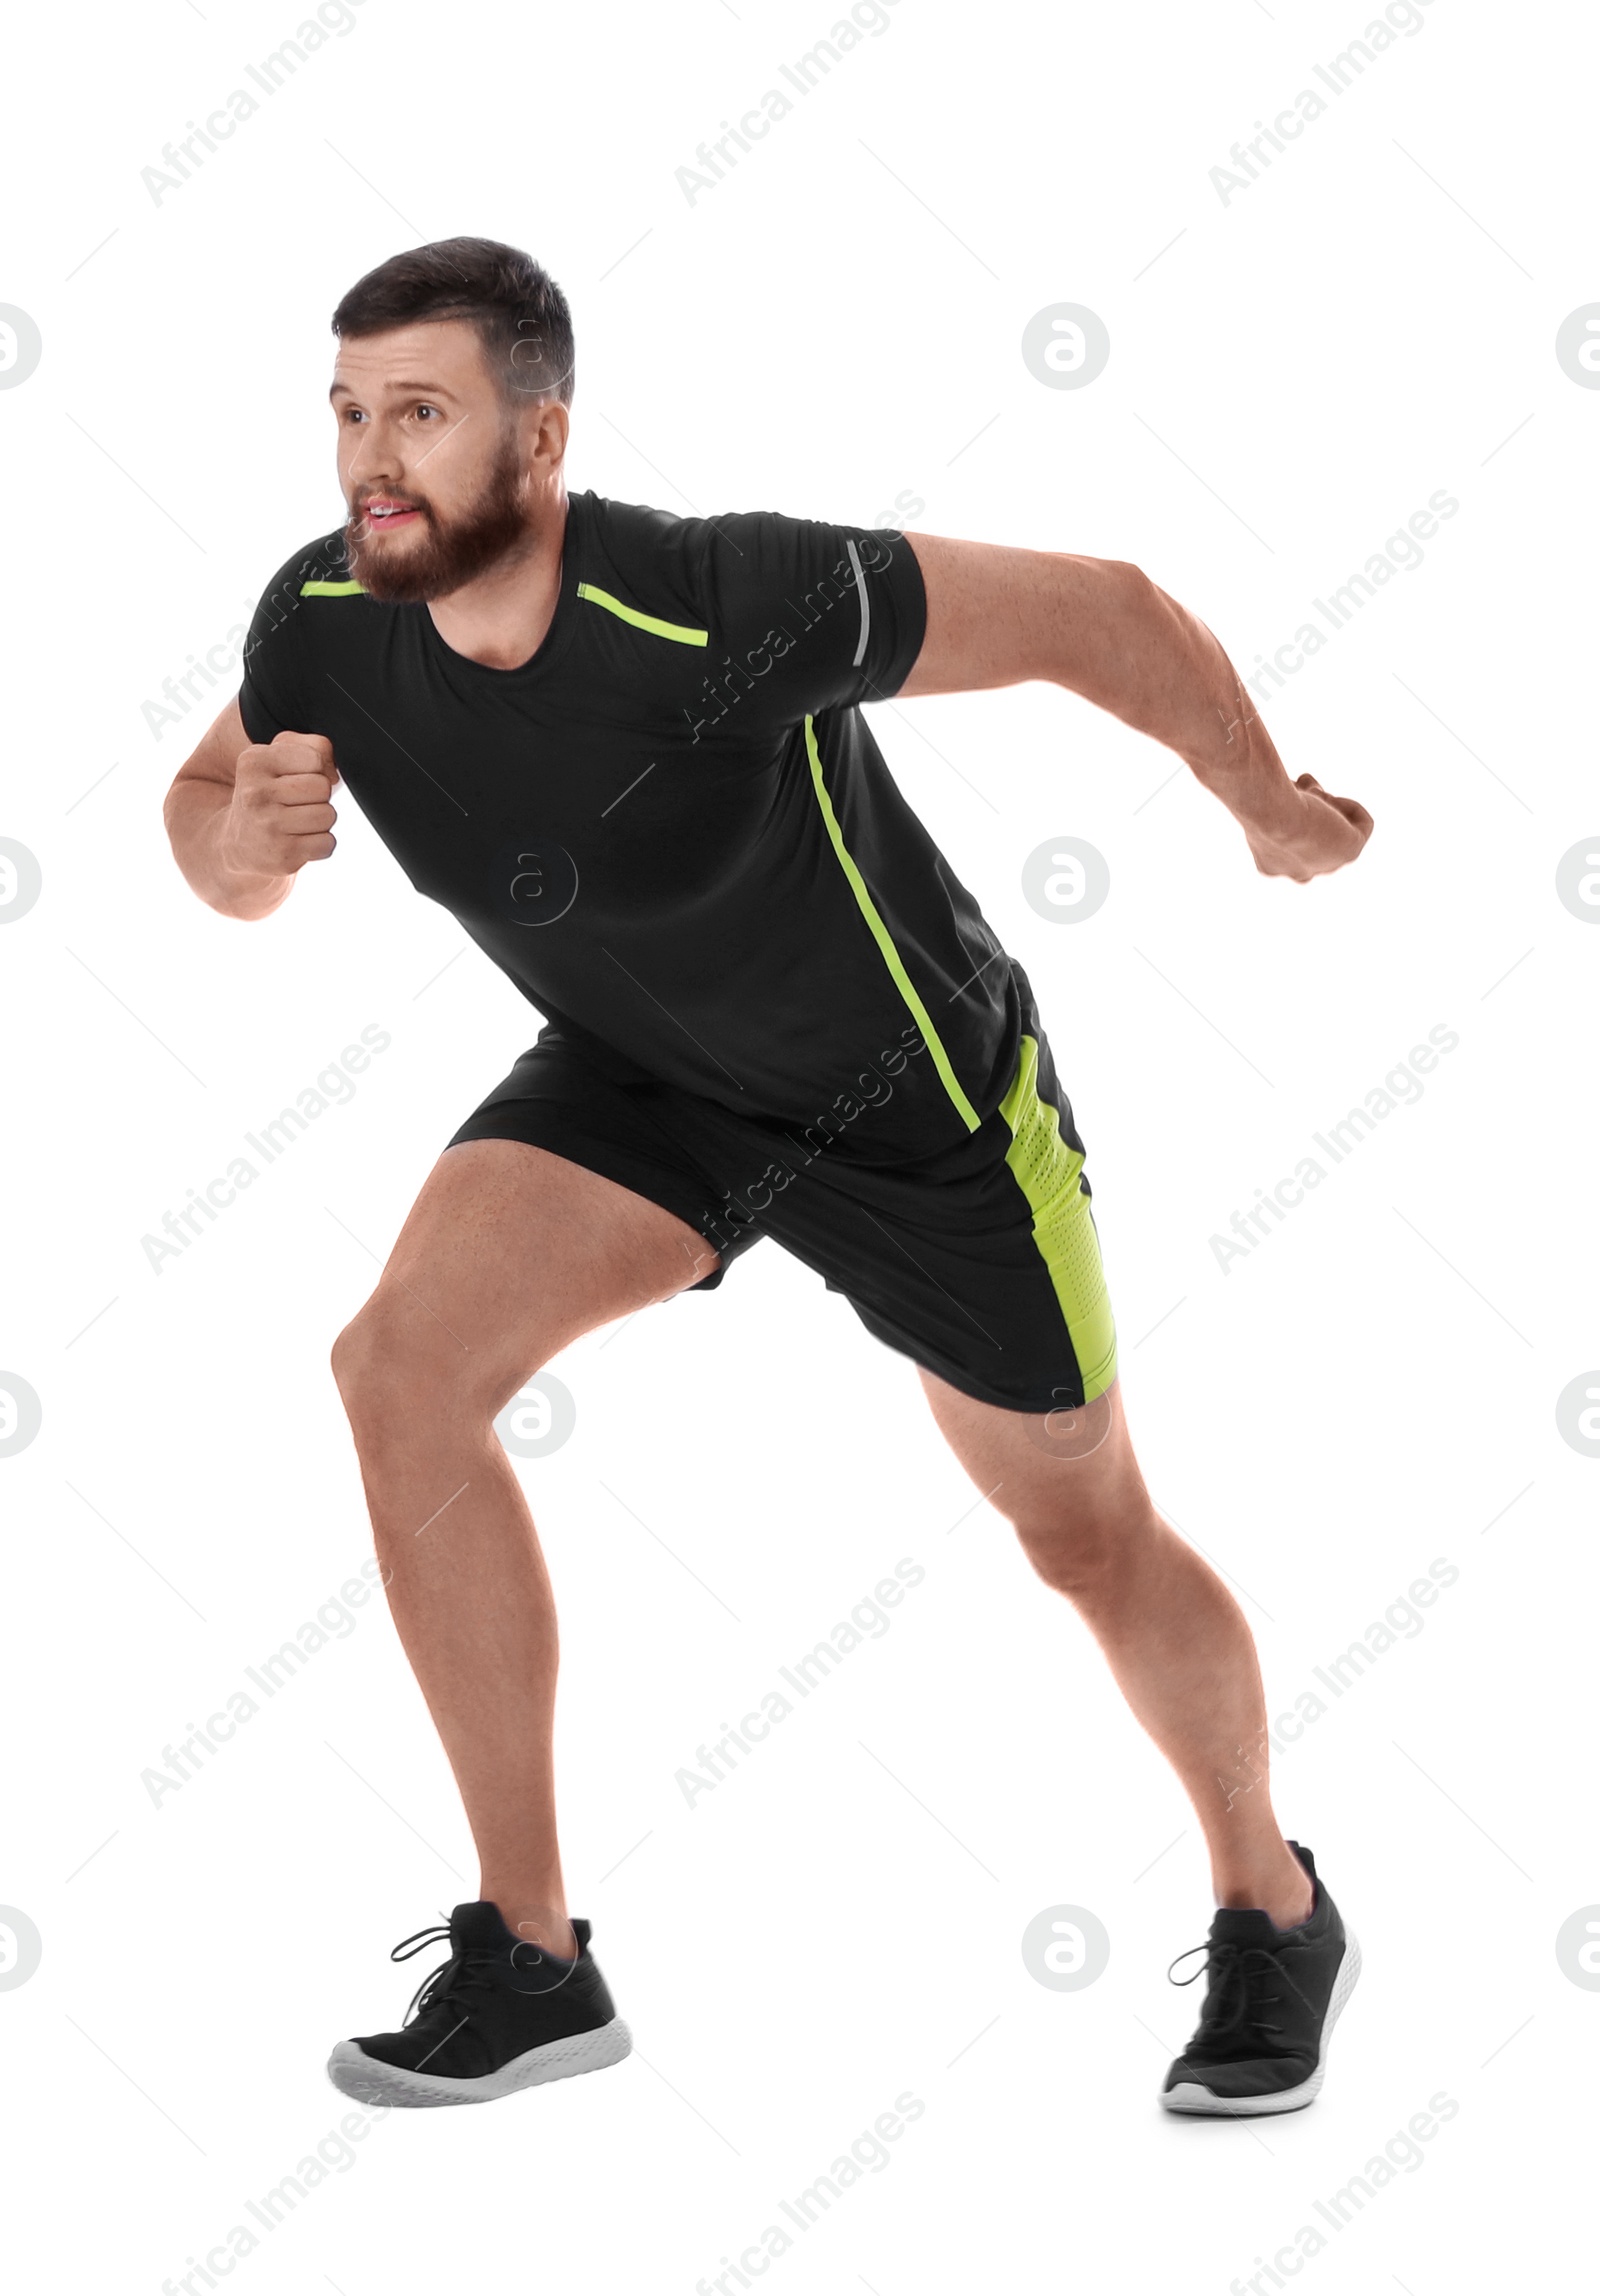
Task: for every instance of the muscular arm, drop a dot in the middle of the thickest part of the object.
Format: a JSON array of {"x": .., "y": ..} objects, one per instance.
[
  {"x": 998, "y": 617},
  {"x": 244, "y": 817}
]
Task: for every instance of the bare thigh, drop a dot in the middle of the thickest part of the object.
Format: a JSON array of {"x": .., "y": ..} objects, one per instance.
[{"x": 507, "y": 1256}]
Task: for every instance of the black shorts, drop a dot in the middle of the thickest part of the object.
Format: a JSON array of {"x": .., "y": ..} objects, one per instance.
[{"x": 980, "y": 1261}]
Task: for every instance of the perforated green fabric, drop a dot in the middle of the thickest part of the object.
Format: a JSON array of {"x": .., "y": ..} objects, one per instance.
[{"x": 1050, "y": 1176}]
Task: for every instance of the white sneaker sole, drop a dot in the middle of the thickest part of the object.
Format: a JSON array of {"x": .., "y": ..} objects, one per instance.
[
  {"x": 1191, "y": 2097},
  {"x": 375, "y": 2083}
]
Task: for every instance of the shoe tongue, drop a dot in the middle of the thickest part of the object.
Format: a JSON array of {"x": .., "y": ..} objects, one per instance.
[
  {"x": 480, "y": 1923},
  {"x": 1244, "y": 1925}
]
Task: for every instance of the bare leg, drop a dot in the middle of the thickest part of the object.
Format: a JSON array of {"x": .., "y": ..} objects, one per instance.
[
  {"x": 1174, "y": 1637},
  {"x": 508, "y": 1255}
]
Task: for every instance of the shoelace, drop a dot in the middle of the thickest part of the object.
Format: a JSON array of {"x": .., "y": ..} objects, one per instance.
[
  {"x": 1235, "y": 1999},
  {"x": 443, "y": 1987}
]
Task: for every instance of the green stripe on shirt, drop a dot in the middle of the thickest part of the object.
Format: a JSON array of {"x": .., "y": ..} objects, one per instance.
[
  {"x": 658, "y": 629},
  {"x": 885, "y": 940}
]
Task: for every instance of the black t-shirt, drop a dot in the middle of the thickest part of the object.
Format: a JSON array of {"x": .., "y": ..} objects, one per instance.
[{"x": 671, "y": 827}]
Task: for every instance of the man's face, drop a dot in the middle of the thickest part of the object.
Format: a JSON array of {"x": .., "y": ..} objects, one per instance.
[{"x": 431, "y": 460}]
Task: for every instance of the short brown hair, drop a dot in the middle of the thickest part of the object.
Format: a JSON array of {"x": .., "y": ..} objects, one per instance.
[{"x": 519, "y": 312}]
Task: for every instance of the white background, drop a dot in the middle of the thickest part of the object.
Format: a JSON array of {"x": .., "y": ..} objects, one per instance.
[{"x": 827, "y": 330}]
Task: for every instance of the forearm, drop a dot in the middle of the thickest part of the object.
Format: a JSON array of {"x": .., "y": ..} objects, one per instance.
[
  {"x": 1099, "y": 626},
  {"x": 1112, "y": 634},
  {"x": 1169, "y": 678},
  {"x": 196, "y": 814}
]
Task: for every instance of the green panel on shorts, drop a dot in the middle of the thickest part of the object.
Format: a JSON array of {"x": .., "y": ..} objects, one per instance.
[{"x": 1047, "y": 1171}]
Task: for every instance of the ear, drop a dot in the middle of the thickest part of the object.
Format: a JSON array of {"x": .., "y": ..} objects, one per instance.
[{"x": 544, "y": 425}]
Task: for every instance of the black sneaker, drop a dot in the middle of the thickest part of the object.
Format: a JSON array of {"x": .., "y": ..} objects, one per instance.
[
  {"x": 1270, "y": 2006},
  {"x": 500, "y": 2015}
]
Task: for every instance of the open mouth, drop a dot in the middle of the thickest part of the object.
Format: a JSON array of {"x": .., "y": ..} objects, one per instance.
[{"x": 383, "y": 513}]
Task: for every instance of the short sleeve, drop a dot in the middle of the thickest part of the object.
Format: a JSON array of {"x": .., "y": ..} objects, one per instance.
[
  {"x": 273, "y": 682},
  {"x": 818, "y": 616}
]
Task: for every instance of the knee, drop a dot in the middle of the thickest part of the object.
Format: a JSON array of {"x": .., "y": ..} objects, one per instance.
[
  {"x": 354, "y": 1360},
  {"x": 391, "y": 1373},
  {"x": 362, "y": 1369},
  {"x": 1085, "y": 1556}
]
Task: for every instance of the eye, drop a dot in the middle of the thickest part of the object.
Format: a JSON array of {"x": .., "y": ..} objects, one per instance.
[
  {"x": 425, "y": 409},
  {"x": 353, "y": 415}
]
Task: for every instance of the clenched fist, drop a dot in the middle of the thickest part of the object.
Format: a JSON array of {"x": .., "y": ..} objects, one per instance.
[
  {"x": 281, "y": 816},
  {"x": 1325, "y": 833}
]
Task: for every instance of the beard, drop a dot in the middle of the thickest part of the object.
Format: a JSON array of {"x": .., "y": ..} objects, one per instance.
[{"x": 444, "y": 554}]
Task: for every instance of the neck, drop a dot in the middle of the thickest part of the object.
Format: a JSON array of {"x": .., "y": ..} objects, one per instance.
[{"x": 501, "y": 618}]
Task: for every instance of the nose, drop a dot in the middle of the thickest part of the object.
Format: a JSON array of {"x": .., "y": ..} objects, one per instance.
[{"x": 376, "y": 460}]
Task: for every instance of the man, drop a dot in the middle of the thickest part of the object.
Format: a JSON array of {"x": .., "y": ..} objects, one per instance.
[{"x": 625, "y": 749}]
